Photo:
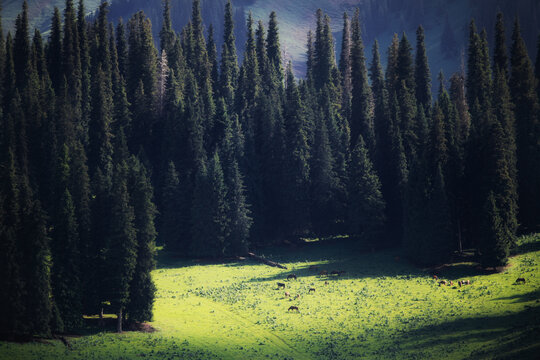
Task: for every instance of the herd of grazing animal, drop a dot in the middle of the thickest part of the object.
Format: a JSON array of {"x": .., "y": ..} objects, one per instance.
[
  {"x": 322, "y": 273},
  {"x": 310, "y": 290}
]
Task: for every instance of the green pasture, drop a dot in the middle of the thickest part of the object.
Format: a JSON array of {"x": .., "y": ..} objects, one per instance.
[{"x": 381, "y": 307}]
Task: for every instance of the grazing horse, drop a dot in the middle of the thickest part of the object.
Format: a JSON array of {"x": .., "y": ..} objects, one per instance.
[
  {"x": 323, "y": 273},
  {"x": 435, "y": 277},
  {"x": 280, "y": 285},
  {"x": 311, "y": 289},
  {"x": 293, "y": 308},
  {"x": 520, "y": 280},
  {"x": 459, "y": 283},
  {"x": 334, "y": 272},
  {"x": 287, "y": 294},
  {"x": 326, "y": 283},
  {"x": 466, "y": 282},
  {"x": 442, "y": 282},
  {"x": 291, "y": 276}
]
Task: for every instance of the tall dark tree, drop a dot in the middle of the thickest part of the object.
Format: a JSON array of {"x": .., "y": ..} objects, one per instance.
[
  {"x": 229, "y": 60},
  {"x": 345, "y": 67},
  {"x": 273, "y": 48},
  {"x": 366, "y": 204},
  {"x": 142, "y": 288},
  {"x": 209, "y": 213},
  {"x": 361, "y": 121},
  {"x": 526, "y": 109},
  {"x": 421, "y": 72},
  {"x": 296, "y": 172},
  {"x": 167, "y": 37}
]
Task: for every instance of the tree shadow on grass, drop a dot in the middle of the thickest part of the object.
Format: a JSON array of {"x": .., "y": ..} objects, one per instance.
[
  {"x": 521, "y": 298},
  {"x": 516, "y": 336}
]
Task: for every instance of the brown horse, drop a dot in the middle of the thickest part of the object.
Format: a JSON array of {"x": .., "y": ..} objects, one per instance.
[
  {"x": 520, "y": 280},
  {"x": 323, "y": 273},
  {"x": 291, "y": 276},
  {"x": 442, "y": 282},
  {"x": 311, "y": 290},
  {"x": 293, "y": 308},
  {"x": 280, "y": 285},
  {"x": 334, "y": 272},
  {"x": 435, "y": 277}
]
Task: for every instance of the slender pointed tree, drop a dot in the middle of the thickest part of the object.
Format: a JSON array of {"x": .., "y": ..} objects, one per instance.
[
  {"x": 526, "y": 111},
  {"x": 422, "y": 73}
]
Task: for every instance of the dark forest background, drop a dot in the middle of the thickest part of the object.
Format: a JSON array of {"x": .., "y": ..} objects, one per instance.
[{"x": 110, "y": 144}]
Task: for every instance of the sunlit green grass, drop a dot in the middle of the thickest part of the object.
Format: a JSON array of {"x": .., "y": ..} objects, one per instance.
[{"x": 382, "y": 307}]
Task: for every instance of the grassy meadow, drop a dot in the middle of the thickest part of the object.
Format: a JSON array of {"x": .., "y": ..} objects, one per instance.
[{"x": 381, "y": 307}]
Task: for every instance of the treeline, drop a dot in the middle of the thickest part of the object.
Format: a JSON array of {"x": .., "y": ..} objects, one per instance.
[{"x": 104, "y": 139}]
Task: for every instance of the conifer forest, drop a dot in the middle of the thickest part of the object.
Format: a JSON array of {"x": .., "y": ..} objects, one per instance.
[{"x": 116, "y": 145}]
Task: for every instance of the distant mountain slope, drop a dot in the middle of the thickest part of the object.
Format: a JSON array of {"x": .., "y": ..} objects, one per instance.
[
  {"x": 39, "y": 12},
  {"x": 380, "y": 20}
]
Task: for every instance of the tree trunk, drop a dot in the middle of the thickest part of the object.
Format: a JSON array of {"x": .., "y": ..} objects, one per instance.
[
  {"x": 101, "y": 323},
  {"x": 119, "y": 321}
]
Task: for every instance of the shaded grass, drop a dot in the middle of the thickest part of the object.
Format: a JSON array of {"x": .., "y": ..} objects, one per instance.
[{"x": 382, "y": 307}]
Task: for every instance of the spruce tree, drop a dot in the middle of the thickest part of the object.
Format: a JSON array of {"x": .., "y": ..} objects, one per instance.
[
  {"x": 171, "y": 209},
  {"x": 167, "y": 37},
  {"x": 229, "y": 61},
  {"x": 273, "y": 49},
  {"x": 345, "y": 67},
  {"x": 366, "y": 204},
  {"x": 526, "y": 111},
  {"x": 121, "y": 242},
  {"x": 422, "y": 73},
  {"x": 238, "y": 214},
  {"x": 54, "y": 56},
  {"x": 296, "y": 172},
  {"x": 141, "y": 83},
  {"x": 209, "y": 212},
  {"x": 142, "y": 288},
  {"x": 361, "y": 122}
]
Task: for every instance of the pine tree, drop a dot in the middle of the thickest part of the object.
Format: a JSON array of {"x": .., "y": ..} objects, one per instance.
[
  {"x": 212, "y": 58},
  {"x": 296, "y": 167},
  {"x": 500, "y": 58},
  {"x": 273, "y": 49},
  {"x": 84, "y": 57},
  {"x": 11, "y": 299},
  {"x": 322, "y": 179},
  {"x": 65, "y": 271},
  {"x": 366, "y": 204},
  {"x": 238, "y": 213},
  {"x": 392, "y": 80},
  {"x": 361, "y": 121},
  {"x": 324, "y": 58},
  {"x": 171, "y": 209},
  {"x": 526, "y": 111},
  {"x": 121, "y": 250},
  {"x": 345, "y": 67},
  {"x": 142, "y": 70},
  {"x": 229, "y": 61},
  {"x": 142, "y": 288},
  {"x": 493, "y": 246},
  {"x": 54, "y": 56},
  {"x": 167, "y": 37},
  {"x": 209, "y": 213},
  {"x": 21, "y": 49},
  {"x": 422, "y": 73}
]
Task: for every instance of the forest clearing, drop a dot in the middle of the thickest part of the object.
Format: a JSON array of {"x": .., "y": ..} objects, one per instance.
[{"x": 381, "y": 307}]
